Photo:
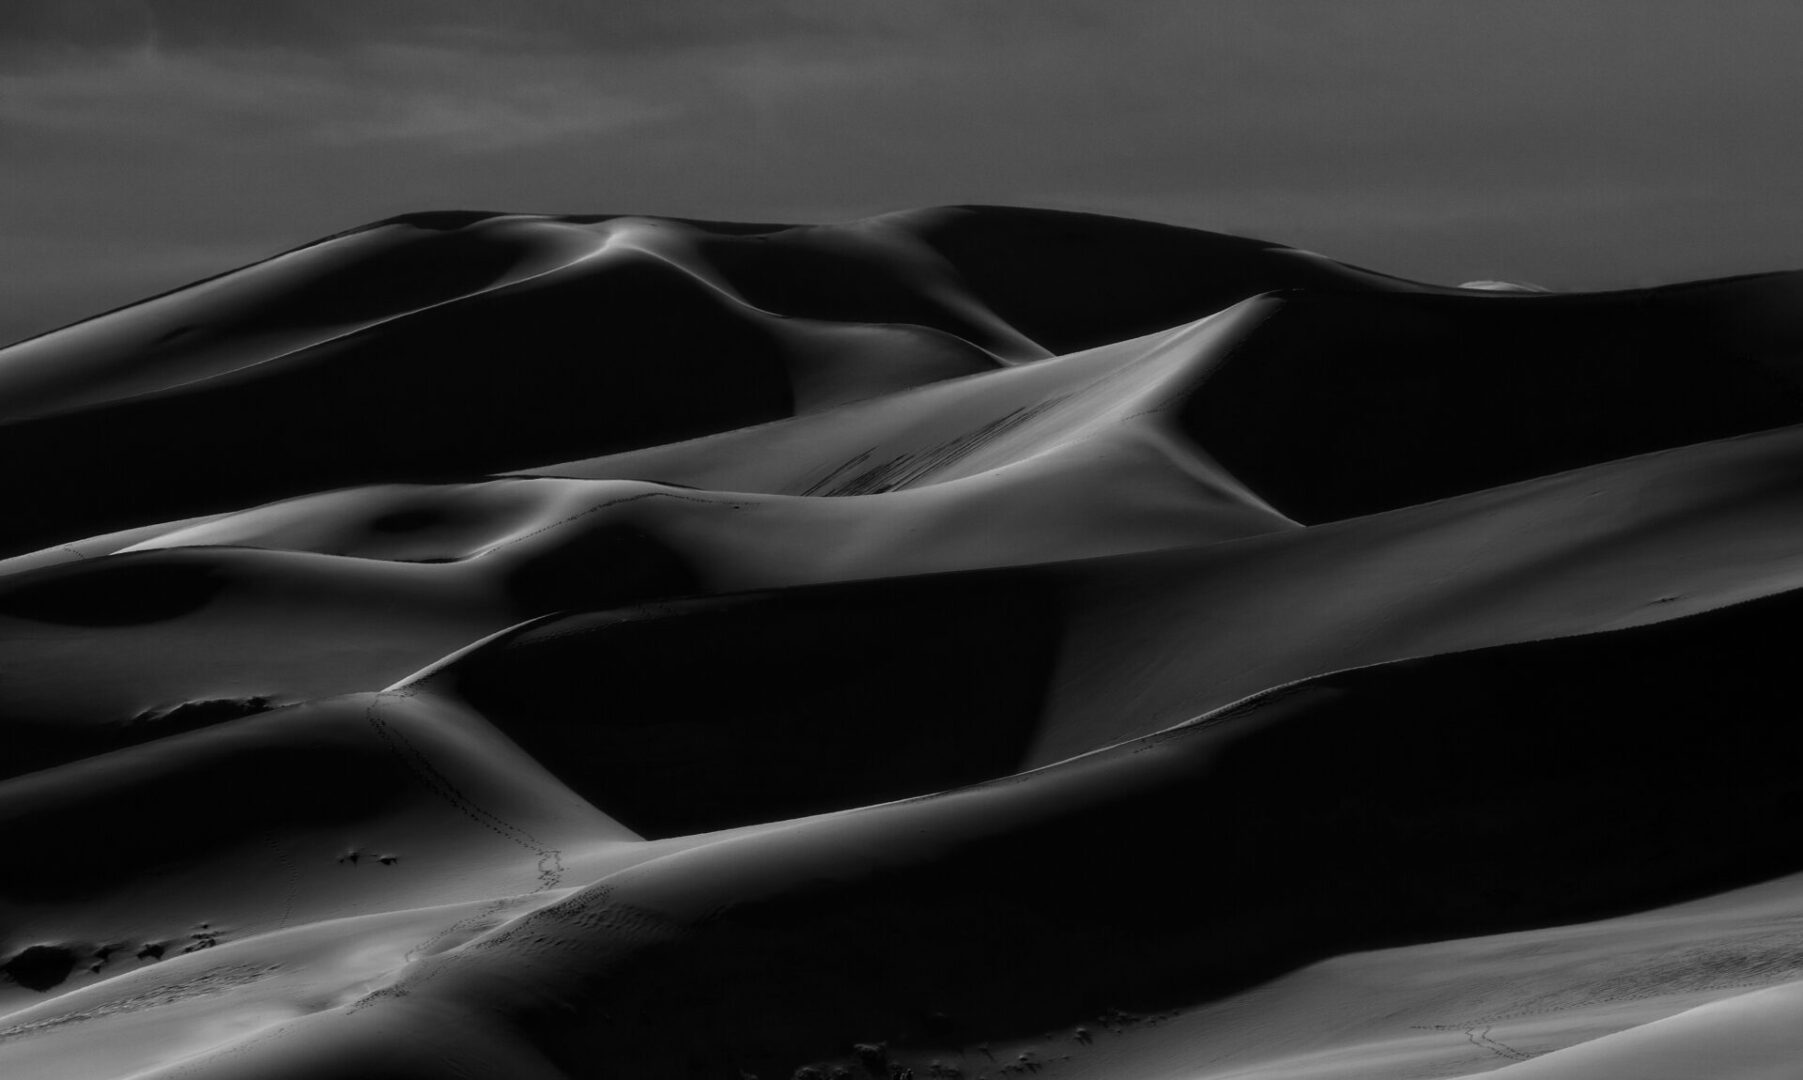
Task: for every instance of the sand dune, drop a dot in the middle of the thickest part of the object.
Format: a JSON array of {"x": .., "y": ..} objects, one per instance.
[{"x": 969, "y": 642}]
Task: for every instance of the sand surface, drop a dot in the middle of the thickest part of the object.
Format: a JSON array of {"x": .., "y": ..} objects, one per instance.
[{"x": 968, "y": 642}]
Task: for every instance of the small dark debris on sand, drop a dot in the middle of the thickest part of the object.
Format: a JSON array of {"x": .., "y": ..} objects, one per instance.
[
  {"x": 189, "y": 715},
  {"x": 40, "y": 967}
]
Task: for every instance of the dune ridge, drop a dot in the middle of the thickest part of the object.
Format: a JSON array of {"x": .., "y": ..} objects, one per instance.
[{"x": 967, "y": 642}]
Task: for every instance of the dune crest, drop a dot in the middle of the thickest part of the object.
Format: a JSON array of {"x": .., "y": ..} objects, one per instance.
[{"x": 970, "y": 642}]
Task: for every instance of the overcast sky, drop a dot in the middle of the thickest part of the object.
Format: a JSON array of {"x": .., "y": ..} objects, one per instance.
[{"x": 144, "y": 143}]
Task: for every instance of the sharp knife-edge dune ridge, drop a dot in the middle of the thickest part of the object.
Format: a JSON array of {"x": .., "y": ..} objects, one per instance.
[{"x": 972, "y": 642}]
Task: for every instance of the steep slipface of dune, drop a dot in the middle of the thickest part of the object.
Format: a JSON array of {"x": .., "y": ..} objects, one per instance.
[
  {"x": 1076, "y": 281},
  {"x": 968, "y": 642},
  {"x": 1351, "y": 405}
]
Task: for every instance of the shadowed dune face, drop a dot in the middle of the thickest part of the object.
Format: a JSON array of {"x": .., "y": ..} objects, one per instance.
[
  {"x": 810, "y": 703},
  {"x": 1352, "y": 405},
  {"x": 970, "y": 642}
]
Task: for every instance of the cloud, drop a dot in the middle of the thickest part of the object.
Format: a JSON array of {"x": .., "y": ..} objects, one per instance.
[
  {"x": 151, "y": 95},
  {"x": 412, "y": 94},
  {"x": 535, "y": 108},
  {"x": 330, "y": 27}
]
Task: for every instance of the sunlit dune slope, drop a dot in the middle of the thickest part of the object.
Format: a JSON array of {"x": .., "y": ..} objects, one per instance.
[{"x": 971, "y": 642}]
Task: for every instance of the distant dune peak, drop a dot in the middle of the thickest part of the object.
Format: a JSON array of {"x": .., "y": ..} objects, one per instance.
[{"x": 1486, "y": 285}]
